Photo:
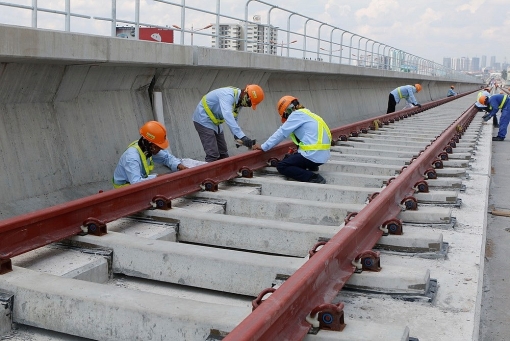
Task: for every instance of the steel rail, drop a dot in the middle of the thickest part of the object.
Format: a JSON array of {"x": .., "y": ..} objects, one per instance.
[
  {"x": 283, "y": 315},
  {"x": 39, "y": 228}
]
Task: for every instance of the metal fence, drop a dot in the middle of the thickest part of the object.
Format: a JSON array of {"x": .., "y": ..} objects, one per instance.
[{"x": 302, "y": 37}]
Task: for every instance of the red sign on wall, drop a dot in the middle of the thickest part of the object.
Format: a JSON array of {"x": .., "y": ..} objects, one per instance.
[{"x": 161, "y": 35}]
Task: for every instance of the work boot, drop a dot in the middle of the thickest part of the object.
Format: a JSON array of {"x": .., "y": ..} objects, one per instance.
[
  {"x": 317, "y": 179},
  {"x": 498, "y": 138}
]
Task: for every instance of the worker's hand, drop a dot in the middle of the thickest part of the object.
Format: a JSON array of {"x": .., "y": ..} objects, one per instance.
[
  {"x": 256, "y": 146},
  {"x": 418, "y": 105},
  {"x": 247, "y": 142},
  {"x": 181, "y": 167}
]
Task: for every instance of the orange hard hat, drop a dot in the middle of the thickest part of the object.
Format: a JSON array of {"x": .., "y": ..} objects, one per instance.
[
  {"x": 255, "y": 93},
  {"x": 155, "y": 132},
  {"x": 452, "y": 87},
  {"x": 282, "y": 106},
  {"x": 482, "y": 99},
  {"x": 418, "y": 87}
]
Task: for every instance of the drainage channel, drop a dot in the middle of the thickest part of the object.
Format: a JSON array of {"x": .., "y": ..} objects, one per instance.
[{"x": 198, "y": 270}]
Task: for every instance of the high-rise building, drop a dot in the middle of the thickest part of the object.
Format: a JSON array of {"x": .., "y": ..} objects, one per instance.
[
  {"x": 475, "y": 64},
  {"x": 484, "y": 62},
  {"x": 229, "y": 36},
  {"x": 447, "y": 62},
  {"x": 259, "y": 38},
  {"x": 493, "y": 61}
]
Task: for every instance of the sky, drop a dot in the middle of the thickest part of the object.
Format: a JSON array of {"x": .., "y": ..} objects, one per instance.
[{"x": 429, "y": 29}]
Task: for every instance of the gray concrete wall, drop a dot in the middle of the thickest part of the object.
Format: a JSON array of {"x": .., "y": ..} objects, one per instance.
[{"x": 70, "y": 104}]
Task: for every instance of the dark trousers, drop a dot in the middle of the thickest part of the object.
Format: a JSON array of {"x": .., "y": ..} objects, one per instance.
[
  {"x": 215, "y": 146},
  {"x": 391, "y": 104},
  {"x": 297, "y": 167}
]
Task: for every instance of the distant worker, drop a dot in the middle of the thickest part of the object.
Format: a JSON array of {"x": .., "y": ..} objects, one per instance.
[
  {"x": 494, "y": 104},
  {"x": 405, "y": 91},
  {"x": 451, "y": 92},
  {"x": 482, "y": 107},
  {"x": 223, "y": 105},
  {"x": 311, "y": 135},
  {"x": 137, "y": 162}
]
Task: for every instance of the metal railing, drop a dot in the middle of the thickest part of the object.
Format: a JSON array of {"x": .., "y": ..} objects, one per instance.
[{"x": 336, "y": 46}]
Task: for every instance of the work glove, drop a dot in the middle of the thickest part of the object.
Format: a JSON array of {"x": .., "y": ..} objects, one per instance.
[
  {"x": 247, "y": 142},
  {"x": 418, "y": 105}
]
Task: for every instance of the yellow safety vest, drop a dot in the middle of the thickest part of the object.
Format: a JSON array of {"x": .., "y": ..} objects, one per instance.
[
  {"x": 214, "y": 119},
  {"x": 400, "y": 94},
  {"x": 321, "y": 125},
  {"x": 148, "y": 166}
]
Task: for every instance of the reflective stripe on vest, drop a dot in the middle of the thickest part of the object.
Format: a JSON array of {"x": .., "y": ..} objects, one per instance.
[
  {"x": 218, "y": 121},
  {"x": 321, "y": 125},
  {"x": 399, "y": 93},
  {"x": 148, "y": 167},
  {"x": 503, "y": 102}
]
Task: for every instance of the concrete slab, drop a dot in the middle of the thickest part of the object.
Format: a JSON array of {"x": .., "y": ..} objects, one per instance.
[
  {"x": 427, "y": 215},
  {"x": 193, "y": 265},
  {"x": 72, "y": 307},
  {"x": 413, "y": 240},
  {"x": 334, "y": 178},
  {"x": 274, "y": 206},
  {"x": 67, "y": 262},
  {"x": 247, "y": 233},
  {"x": 391, "y": 280},
  {"x": 360, "y": 168},
  {"x": 359, "y": 330},
  {"x": 275, "y": 187}
]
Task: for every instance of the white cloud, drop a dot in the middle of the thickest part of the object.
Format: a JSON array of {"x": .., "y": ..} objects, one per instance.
[
  {"x": 473, "y": 6},
  {"x": 377, "y": 8}
]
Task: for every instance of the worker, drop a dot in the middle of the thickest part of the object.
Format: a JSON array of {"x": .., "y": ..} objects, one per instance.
[
  {"x": 223, "y": 105},
  {"x": 405, "y": 91},
  {"x": 451, "y": 92},
  {"x": 311, "y": 135},
  {"x": 481, "y": 107},
  {"x": 494, "y": 104},
  {"x": 137, "y": 162}
]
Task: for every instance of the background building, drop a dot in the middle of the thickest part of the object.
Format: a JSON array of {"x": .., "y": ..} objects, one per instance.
[{"x": 259, "y": 38}]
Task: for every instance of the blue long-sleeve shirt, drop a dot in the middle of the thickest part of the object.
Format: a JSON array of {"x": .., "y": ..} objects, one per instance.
[
  {"x": 451, "y": 93},
  {"x": 221, "y": 102},
  {"x": 495, "y": 102},
  {"x": 305, "y": 128},
  {"x": 130, "y": 167},
  {"x": 407, "y": 92}
]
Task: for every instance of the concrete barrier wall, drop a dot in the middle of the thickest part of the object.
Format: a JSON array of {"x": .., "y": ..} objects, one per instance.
[{"x": 70, "y": 104}]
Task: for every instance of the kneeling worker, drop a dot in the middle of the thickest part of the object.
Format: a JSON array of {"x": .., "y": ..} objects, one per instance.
[
  {"x": 137, "y": 162},
  {"x": 451, "y": 92},
  {"x": 309, "y": 132}
]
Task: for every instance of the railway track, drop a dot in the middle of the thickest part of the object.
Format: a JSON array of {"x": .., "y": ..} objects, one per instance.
[{"x": 393, "y": 227}]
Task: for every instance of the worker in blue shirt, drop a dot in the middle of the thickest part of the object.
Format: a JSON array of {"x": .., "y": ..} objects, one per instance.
[
  {"x": 223, "y": 105},
  {"x": 451, "y": 92},
  {"x": 482, "y": 107},
  {"x": 494, "y": 104},
  {"x": 311, "y": 135},
  {"x": 405, "y": 91},
  {"x": 137, "y": 162}
]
